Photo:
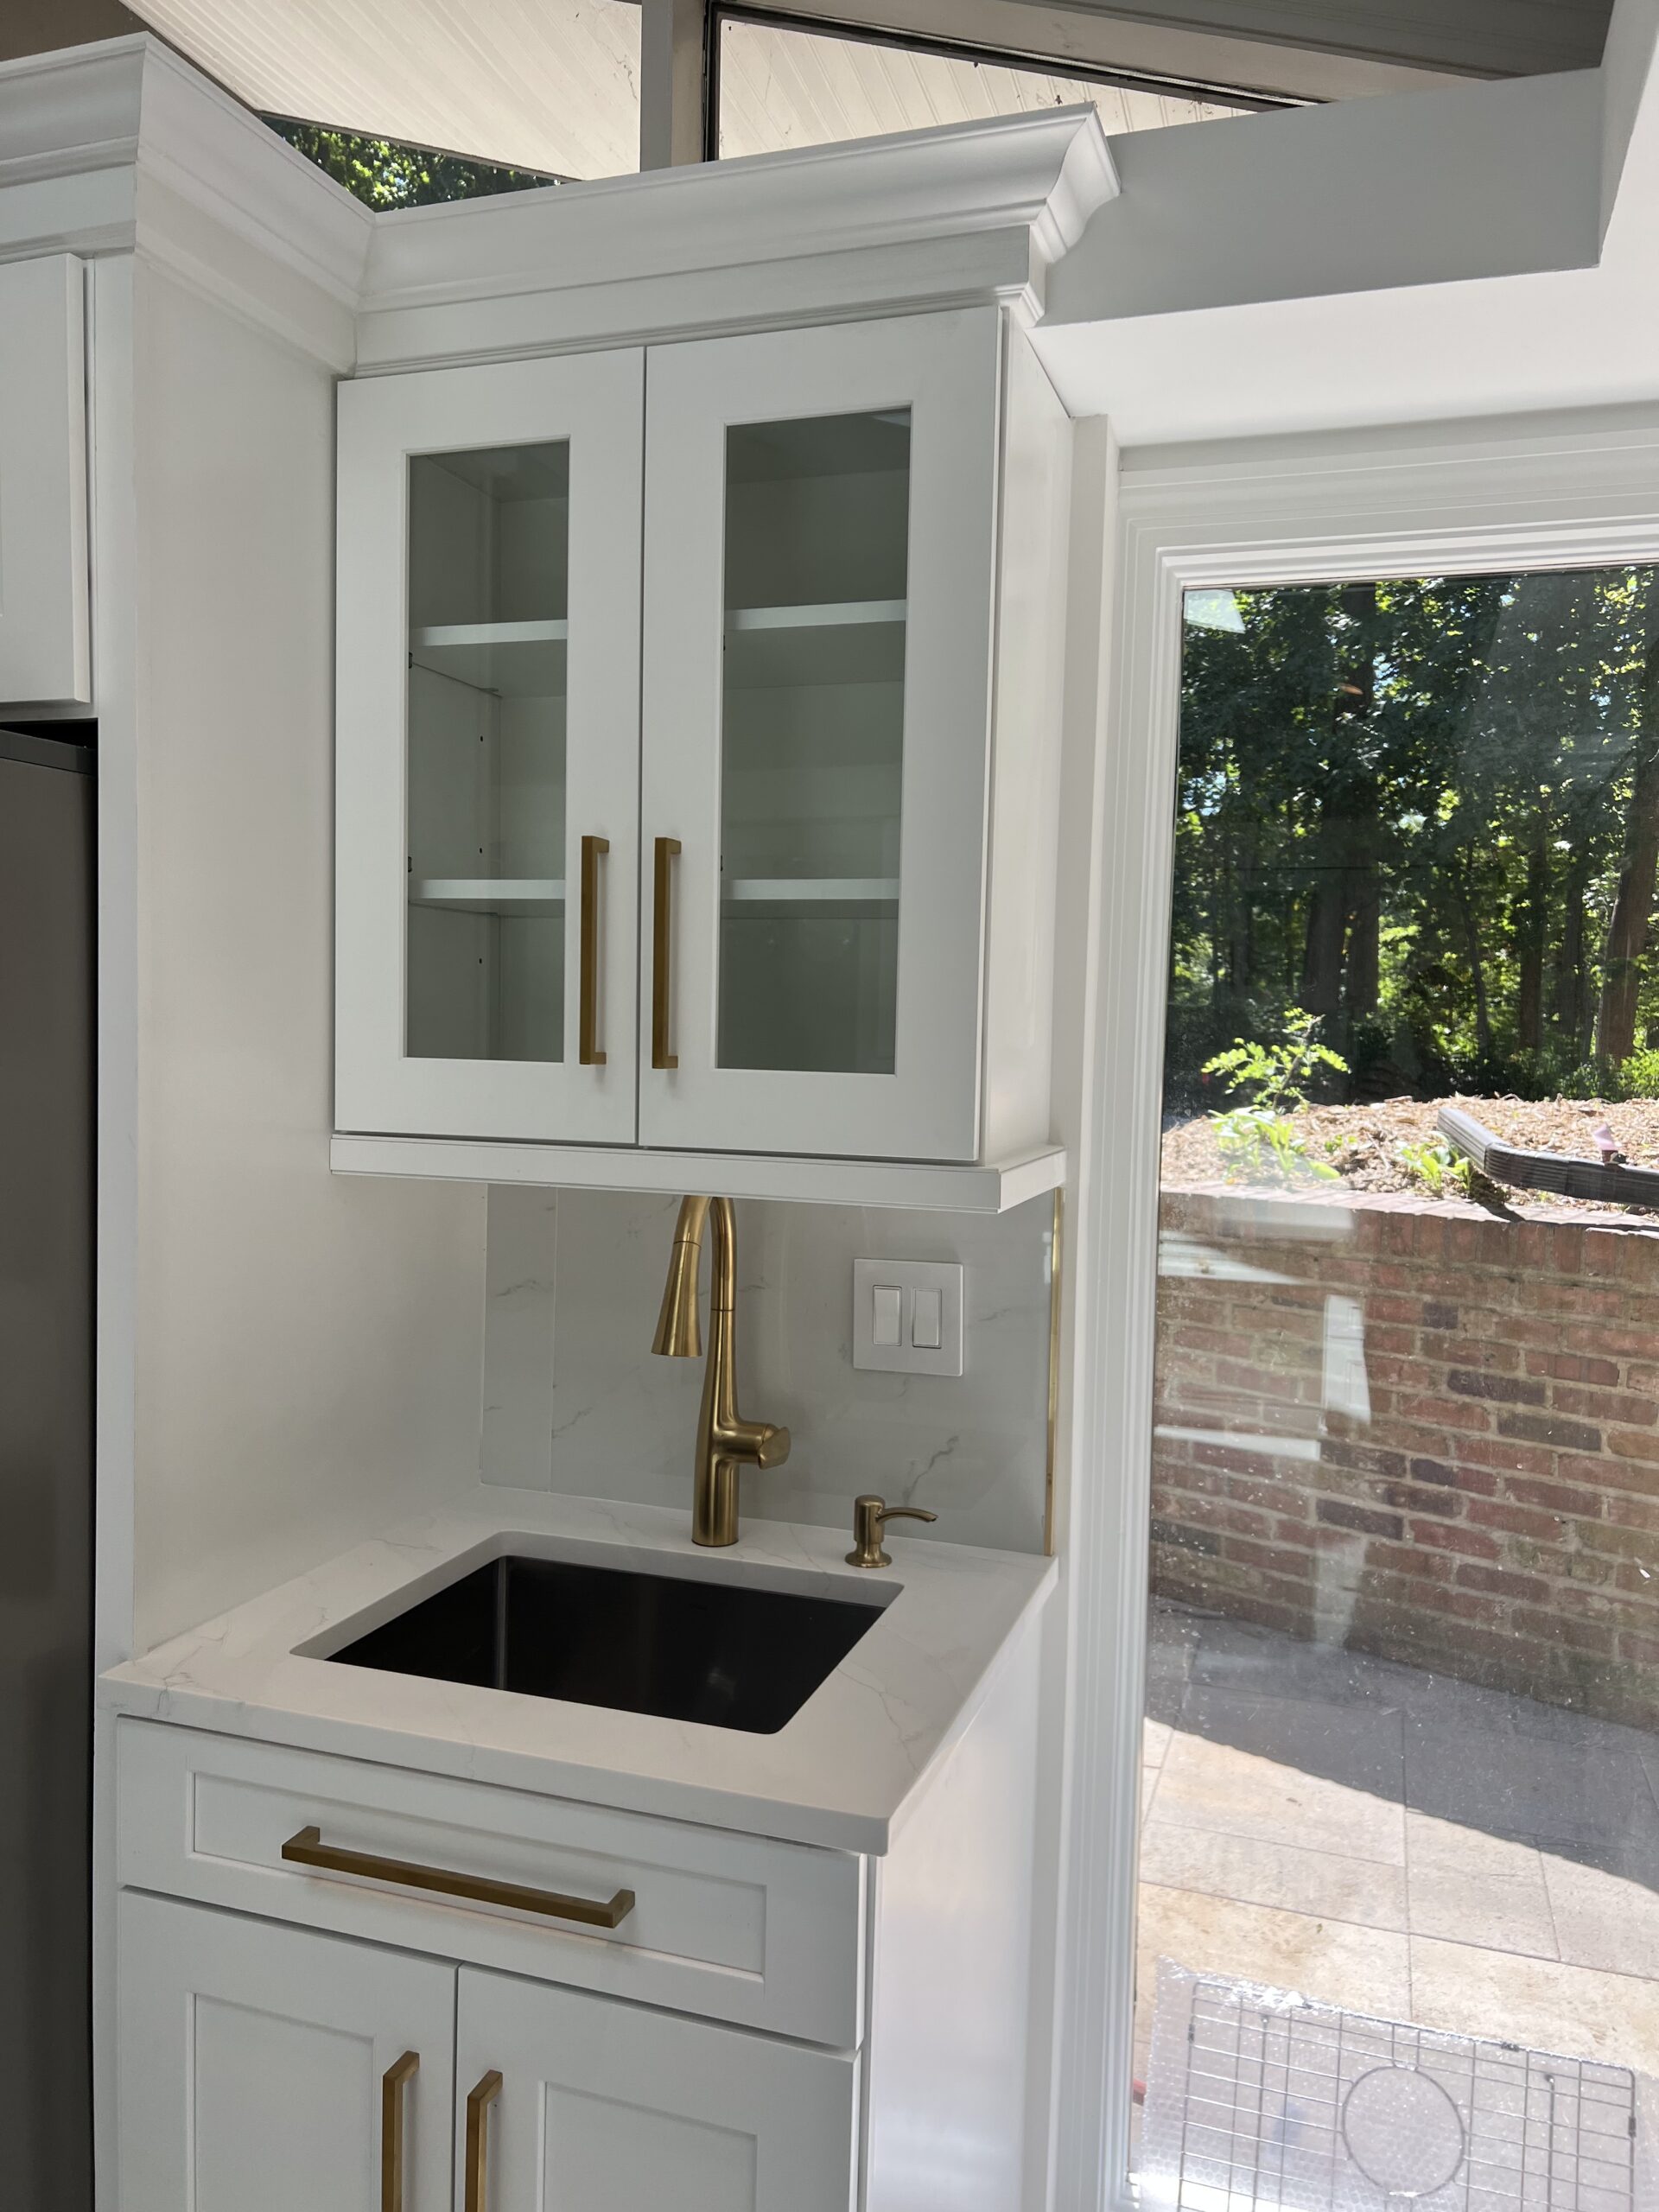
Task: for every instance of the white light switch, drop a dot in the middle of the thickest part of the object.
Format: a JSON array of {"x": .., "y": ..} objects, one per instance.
[{"x": 907, "y": 1316}]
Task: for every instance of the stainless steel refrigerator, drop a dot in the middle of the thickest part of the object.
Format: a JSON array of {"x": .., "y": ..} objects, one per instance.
[{"x": 46, "y": 798}]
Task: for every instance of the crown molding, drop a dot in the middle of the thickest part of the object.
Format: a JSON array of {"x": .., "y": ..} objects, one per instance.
[
  {"x": 920, "y": 219},
  {"x": 123, "y": 147}
]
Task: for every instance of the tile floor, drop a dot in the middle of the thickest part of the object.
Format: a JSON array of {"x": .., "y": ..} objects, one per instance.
[{"x": 1397, "y": 1842}]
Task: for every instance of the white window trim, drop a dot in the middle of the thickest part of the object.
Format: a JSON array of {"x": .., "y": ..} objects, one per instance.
[{"x": 1543, "y": 493}]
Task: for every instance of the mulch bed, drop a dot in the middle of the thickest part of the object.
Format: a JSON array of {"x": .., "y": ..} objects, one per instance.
[{"x": 1362, "y": 1143}]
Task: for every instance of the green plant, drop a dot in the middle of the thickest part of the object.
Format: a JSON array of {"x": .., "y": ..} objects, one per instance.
[
  {"x": 1255, "y": 1144},
  {"x": 1434, "y": 1165},
  {"x": 1258, "y": 1140}
]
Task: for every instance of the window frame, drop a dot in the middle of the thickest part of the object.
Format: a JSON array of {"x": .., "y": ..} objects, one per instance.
[{"x": 1569, "y": 490}]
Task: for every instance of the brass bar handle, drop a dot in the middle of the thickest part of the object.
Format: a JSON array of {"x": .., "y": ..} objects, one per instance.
[
  {"x": 479, "y": 2101},
  {"x": 394, "y": 2084},
  {"x": 309, "y": 1849},
  {"x": 589, "y": 1053},
  {"x": 662, "y": 947}
]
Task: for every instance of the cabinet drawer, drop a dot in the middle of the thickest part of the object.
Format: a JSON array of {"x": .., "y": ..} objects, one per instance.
[{"x": 733, "y": 1927}]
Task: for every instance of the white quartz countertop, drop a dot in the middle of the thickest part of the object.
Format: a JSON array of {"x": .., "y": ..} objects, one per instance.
[{"x": 840, "y": 1773}]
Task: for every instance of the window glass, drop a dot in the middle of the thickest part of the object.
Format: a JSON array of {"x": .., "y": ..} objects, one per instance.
[{"x": 1399, "y": 1871}]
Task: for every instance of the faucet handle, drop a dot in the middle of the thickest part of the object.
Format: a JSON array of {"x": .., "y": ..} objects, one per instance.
[{"x": 869, "y": 1514}]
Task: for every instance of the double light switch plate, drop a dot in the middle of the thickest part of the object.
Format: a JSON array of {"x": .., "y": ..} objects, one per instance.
[{"x": 907, "y": 1316}]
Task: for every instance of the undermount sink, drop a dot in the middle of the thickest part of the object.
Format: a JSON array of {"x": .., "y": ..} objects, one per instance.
[{"x": 730, "y": 1655}]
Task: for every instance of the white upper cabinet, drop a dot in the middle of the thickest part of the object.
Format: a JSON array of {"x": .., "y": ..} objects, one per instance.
[
  {"x": 488, "y": 750},
  {"x": 697, "y": 752},
  {"x": 820, "y": 557},
  {"x": 45, "y": 622}
]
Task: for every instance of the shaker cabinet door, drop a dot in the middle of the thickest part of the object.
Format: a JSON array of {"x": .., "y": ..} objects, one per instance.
[
  {"x": 820, "y": 559},
  {"x": 262, "y": 2069},
  {"x": 488, "y": 750},
  {"x": 45, "y": 623},
  {"x": 566, "y": 2101}
]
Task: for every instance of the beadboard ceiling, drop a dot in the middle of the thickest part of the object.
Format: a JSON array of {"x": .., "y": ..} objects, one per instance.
[{"x": 553, "y": 85}]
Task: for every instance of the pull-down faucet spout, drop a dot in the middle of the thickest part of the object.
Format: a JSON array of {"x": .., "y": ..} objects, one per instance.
[{"x": 726, "y": 1442}]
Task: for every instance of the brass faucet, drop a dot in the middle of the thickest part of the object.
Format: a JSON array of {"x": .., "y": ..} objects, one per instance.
[{"x": 726, "y": 1442}]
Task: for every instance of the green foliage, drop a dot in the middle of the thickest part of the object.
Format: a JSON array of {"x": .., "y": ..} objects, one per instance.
[
  {"x": 1275, "y": 1075},
  {"x": 1258, "y": 1146},
  {"x": 1256, "y": 1141},
  {"x": 1442, "y": 1173},
  {"x": 1405, "y": 806},
  {"x": 383, "y": 173}
]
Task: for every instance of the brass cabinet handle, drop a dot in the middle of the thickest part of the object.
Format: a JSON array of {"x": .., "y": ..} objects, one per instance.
[
  {"x": 661, "y": 953},
  {"x": 589, "y": 1053},
  {"x": 309, "y": 1849},
  {"x": 479, "y": 2101},
  {"x": 393, "y": 2084}
]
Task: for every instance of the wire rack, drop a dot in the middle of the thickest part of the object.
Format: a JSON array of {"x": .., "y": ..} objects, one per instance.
[{"x": 1292, "y": 2106}]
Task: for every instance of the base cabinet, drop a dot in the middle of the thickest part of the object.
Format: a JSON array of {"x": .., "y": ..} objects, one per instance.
[
  {"x": 265, "y": 2068},
  {"x": 254, "y": 2061},
  {"x": 613, "y": 2108}
]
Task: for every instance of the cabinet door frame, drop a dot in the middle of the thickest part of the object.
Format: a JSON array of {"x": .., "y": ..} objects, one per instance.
[
  {"x": 171, "y": 1954},
  {"x": 596, "y": 401},
  {"x": 798, "y": 2106},
  {"x": 45, "y": 656},
  {"x": 946, "y": 368}
]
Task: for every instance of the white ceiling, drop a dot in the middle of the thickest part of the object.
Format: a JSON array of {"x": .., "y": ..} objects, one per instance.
[
  {"x": 547, "y": 84},
  {"x": 783, "y": 88},
  {"x": 554, "y": 85}
]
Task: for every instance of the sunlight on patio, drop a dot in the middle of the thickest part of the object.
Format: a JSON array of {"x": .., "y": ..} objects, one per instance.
[{"x": 1397, "y": 1842}]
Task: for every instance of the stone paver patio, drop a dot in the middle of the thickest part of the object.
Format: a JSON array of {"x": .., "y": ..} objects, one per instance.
[{"x": 1397, "y": 1842}]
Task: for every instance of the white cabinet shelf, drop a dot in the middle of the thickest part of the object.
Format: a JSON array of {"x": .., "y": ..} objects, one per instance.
[
  {"x": 851, "y": 641},
  {"x": 859, "y": 899},
  {"x": 516, "y": 660},
  {"x": 504, "y": 896}
]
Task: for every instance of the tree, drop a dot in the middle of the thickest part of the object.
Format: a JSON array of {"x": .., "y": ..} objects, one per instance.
[
  {"x": 384, "y": 174},
  {"x": 1627, "y": 932}
]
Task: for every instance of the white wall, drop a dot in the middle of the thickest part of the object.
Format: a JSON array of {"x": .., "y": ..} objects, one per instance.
[
  {"x": 308, "y": 1347},
  {"x": 576, "y": 1402}
]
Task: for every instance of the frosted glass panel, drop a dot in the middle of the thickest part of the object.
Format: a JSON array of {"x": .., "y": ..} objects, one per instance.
[
  {"x": 817, "y": 540},
  {"x": 488, "y": 553}
]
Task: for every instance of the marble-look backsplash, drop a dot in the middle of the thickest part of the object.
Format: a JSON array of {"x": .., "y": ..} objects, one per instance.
[{"x": 575, "y": 1401}]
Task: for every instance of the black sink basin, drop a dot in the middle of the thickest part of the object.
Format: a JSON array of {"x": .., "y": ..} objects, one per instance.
[{"x": 723, "y": 1653}]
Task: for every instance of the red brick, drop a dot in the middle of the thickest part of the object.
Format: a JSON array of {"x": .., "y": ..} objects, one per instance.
[
  {"x": 1508, "y": 1457},
  {"x": 1556, "y": 1497},
  {"x": 1447, "y": 1412},
  {"x": 1516, "y": 1520},
  {"x": 1556, "y": 1628},
  {"x": 1574, "y": 1367},
  {"x": 1633, "y": 1444},
  {"x": 1550, "y": 1428},
  {"x": 1503, "y": 1582},
  {"x": 1362, "y": 1519},
  {"x": 1604, "y": 1405},
  {"x": 1454, "y": 1537}
]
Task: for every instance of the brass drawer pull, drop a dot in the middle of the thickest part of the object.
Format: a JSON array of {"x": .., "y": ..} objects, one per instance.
[
  {"x": 661, "y": 952},
  {"x": 393, "y": 2085},
  {"x": 590, "y": 1053},
  {"x": 309, "y": 1849},
  {"x": 479, "y": 2101}
]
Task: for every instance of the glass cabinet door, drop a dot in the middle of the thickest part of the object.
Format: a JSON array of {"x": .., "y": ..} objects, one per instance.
[
  {"x": 489, "y": 795},
  {"x": 818, "y": 583},
  {"x": 489, "y": 541}
]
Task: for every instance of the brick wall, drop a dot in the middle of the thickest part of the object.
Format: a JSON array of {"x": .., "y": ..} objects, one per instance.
[{"x": 1436, "y": 1436}]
